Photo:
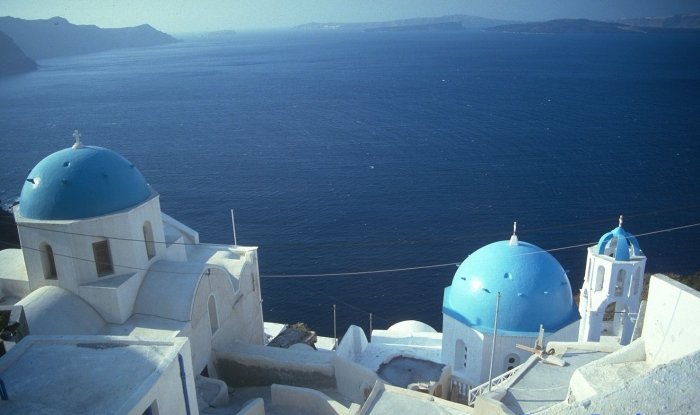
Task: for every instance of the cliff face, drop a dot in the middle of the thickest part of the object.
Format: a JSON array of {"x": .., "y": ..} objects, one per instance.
[
  {"x": 49, "y": 38},
  {"x": 582, "y": 26},
  {"x": 12, "y": 59},
  {"x": 678, "y": 21},
  {"x": 451, "y": 22},
  {"x": 563, "y": 26}
]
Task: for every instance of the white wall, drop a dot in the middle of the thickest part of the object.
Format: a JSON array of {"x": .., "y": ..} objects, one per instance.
[
  {"x": 167, "y": 390},
  {"x": 671, "y": 321},
  {"x": 479, "y": 349},
  {"x": 352, "y": 345},
  {"x": 72, "y": 240}
]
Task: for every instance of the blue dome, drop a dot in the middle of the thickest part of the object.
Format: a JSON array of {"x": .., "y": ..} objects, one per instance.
[
  {"x": 619, "y": 244},
  {"x": 534, "y": 290},
  {"x": 83, "y": 182}
]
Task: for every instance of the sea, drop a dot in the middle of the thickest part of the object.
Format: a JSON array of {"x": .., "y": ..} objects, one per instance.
[{"x": 367, "y": 166}]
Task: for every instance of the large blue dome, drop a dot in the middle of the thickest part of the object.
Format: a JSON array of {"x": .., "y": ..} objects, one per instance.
[
  {"x": 82, "y": 182},
  {"x": 534, "y": 290}
]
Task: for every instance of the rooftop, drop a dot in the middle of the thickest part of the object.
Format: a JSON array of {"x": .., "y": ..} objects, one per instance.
[{"x": 106, "y": 374}]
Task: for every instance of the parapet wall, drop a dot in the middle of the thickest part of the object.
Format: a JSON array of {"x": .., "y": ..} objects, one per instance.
[
  {"x": 244, "y": 365},
  {"x": 672, "y": 314}
]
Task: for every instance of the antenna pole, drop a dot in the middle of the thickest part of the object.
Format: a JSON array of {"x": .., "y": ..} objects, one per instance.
[
  {"x": 233, "y": 223},
  {"x": 335, "y": 333},
  {"x": 493, "y": 344}
]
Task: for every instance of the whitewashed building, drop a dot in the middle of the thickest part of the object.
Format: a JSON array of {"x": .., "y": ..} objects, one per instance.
[{"x": 98, "y": 257}]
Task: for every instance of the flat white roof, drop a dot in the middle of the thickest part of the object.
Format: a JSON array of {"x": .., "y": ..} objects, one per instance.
[{"x": 82, "y": 374}]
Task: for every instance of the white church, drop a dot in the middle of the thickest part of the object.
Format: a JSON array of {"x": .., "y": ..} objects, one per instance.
[
  {"x": 124, "y": 303},
  {"x": 98, "y": 257},
  {"x": 531, "y": 289}
]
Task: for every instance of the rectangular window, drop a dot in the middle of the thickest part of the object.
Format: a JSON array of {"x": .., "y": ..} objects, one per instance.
[{"x": 103, "y": 258}]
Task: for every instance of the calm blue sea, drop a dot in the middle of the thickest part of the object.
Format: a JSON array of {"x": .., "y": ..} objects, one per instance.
[{"x": 357, "y": 152}]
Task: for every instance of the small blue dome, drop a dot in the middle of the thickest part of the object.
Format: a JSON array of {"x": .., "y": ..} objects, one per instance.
[
  {"x": 619, "y": 244},
  {"x": 83, "y": 182},
  {"x": 534, "y": 290}
]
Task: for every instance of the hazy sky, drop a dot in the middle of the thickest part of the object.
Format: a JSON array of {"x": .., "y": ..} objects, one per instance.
[{"x": 176, "y": 16}]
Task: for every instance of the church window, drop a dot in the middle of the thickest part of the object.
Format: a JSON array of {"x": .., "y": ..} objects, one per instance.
[
  {"x": 620, "y": 282},
  {"x": 148, "y": 239},
  {"x": 599, "y": 278},
  {"x": 213, "y": 317},
  {"x": 48, "y": 262},
  {"x": 460, "y": 355},
  {"x": 636, "y": 281},
  {"x": 103, "y": 258},
  {"x": 609, "y": 312},
  {"x": 511, "y": 361}
]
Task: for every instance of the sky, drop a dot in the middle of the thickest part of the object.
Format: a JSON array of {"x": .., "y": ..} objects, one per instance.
[{"x": 180, "y": 16}]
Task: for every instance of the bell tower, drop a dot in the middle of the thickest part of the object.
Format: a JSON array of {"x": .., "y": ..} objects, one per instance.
[{"x": 612, "y": 287}]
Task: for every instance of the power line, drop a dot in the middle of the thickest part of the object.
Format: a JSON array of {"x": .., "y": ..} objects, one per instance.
[{"x": 379, "y": 271}]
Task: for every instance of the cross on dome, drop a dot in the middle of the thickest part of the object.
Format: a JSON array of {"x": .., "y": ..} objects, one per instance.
[
  {"x": 78, "y": 143},
  {"x": 514, "y": 238}
]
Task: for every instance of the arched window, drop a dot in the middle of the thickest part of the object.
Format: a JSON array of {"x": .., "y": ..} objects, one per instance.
[
  {"x": 48, "y": 263},
  {"x": 610, "y": 312},
  {"x": 637, "y": 281},
  {"x": 148, "y": 239},
  {"x": 213, "y": 317},
  {"x": 103, "y": 258},
  {"x": 599, "y": 278},
  {"x": 620, "y": 282},
  {"x": 511, "y": 361}
]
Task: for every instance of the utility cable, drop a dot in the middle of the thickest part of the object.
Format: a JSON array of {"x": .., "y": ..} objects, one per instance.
[{"x": 371, "y": 272}]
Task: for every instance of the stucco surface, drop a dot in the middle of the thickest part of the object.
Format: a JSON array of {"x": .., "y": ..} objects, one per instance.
[
  {"x": 670, "y": 388},
  {"x": 543, "y": 385},
  {"x": 168, "y": 290},
  {"x": 389, "y": 400},
  {"x": 100, "y": 376},
  {"x": 53, "y": 310}
]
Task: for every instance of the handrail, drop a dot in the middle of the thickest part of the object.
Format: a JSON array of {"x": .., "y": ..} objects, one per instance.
[{"x": 478, "y": 390}]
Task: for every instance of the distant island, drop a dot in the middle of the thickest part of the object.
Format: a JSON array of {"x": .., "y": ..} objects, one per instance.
[
  {"x": 13, "y": 61},
  {"x": 451, "y": 22},
  {"x": 54, "y": 37},
  {"x": 678, "y": 21},
  {"x": 579, "y": 26},
  {"x": 430, "y": 27}
]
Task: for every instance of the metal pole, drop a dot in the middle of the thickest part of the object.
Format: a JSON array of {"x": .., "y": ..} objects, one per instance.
[
  {"x": 233, "y": 223},
  {"x": 493, "y": 344},
  {"x": 335, "y": 333},
  {"x": 370, "y": 326}
]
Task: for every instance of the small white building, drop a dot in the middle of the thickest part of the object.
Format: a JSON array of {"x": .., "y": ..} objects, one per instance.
[
  {"x": 534, "y": 290},
  {"x": 98, "y": 375},
  {"x": 98, "y": 257},
  {"x": 612, "y": 288}
]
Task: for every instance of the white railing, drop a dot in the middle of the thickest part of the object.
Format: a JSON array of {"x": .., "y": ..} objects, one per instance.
[
  {"x": 459, "y": 391},
  {"x": 474, "y": 392}
]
